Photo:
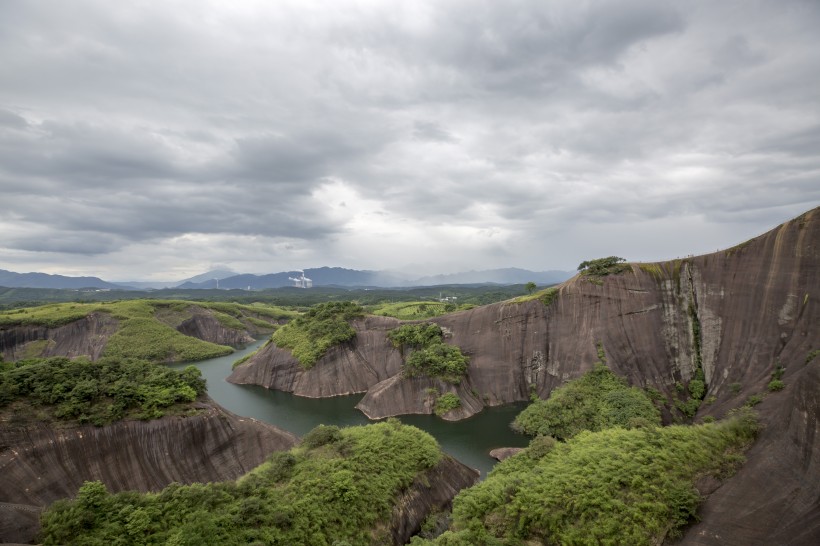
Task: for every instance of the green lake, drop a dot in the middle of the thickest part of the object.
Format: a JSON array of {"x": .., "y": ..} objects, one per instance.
[{"x": 470, "y": 440}]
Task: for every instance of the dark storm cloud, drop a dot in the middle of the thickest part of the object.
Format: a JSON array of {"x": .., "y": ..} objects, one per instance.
[{"x": 316, "y": 132}]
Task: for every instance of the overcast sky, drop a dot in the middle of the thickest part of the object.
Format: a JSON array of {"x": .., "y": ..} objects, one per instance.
[{"x": 157, "y": 139}]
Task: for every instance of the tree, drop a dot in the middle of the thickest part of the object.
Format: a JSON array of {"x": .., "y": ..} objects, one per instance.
[
  {"x": 611, "y": 265},
  {"x": 530, "y": 286}
]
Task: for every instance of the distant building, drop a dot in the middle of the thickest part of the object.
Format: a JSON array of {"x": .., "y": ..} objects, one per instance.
[{"x": 301, "y": 281}]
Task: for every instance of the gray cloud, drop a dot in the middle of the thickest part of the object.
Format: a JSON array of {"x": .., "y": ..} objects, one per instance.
[{"x": 150, "y": 139}]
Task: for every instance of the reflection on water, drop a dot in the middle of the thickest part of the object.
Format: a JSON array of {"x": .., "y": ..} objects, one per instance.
[{"x": 469, "y": 440}]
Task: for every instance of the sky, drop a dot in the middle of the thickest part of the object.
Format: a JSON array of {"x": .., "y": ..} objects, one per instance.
[{"x": 155, "y": 140}]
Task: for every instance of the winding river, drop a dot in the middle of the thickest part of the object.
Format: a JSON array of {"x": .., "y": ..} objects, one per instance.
[{"x": 470, "y": 440}]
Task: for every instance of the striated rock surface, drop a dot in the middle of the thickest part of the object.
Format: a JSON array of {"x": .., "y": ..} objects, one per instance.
[
  {"x": 42, "y": 464},
  {"x": 754, "y": 305},
  {"x": 740, "y": 312},
  {"x": 350, "y": 368},
  {"x": 87, "y": 337},
  {"x": 205, "y": 326},
  {"x": 432, "y": 491},
  {"x": 775, "y": 496}
]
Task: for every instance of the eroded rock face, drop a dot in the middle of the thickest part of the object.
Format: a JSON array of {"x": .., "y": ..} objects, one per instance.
[
  {"x": 39, "y": 465},
  {"x": 206, "y": 327},
  {"x": 756, "y": 306},
  {"x": 432, "y": 491},
  {"x": 775, "y": 496},
  {"x": 84, "y": 337},
  {"x": 350, "y": 368},
  {"x": 88, "y": 336}
]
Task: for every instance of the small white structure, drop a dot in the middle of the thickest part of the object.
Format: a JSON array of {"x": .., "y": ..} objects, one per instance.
[{"x": 301, "y": 281}]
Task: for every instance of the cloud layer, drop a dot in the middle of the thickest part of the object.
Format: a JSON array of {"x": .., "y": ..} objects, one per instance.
[{"x": 151, "y": 140}]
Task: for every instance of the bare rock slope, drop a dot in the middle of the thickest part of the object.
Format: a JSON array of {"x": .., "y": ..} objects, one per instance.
[
  {"x": 39, "y": 465},
  {"x": 738, "y": 314}
]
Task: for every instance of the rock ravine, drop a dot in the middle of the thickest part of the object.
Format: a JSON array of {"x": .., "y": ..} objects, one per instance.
[{"x": 739, "y": 313}]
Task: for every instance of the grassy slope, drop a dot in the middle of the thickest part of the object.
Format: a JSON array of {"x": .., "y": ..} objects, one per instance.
[{"x": 147, "y": 327}]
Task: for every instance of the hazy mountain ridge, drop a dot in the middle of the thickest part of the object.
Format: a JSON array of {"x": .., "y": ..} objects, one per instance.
[
  {"x": 321, "y": 276},
  {"x": 339, "y": 276},
  {"x": 44, "y": 280}
]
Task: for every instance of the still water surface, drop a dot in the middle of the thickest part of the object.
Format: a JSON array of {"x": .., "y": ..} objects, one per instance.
[{"x": 470, "y": 440}]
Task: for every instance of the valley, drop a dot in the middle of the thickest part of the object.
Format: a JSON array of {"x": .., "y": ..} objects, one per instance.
[{"x": 700, "y": 338}]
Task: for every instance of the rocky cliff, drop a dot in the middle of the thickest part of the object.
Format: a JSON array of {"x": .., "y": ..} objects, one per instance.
[
  {"x": 737, "y": 314},
  {"x": 42, "y": 464},
  {"x": 205, "y": 326},
  {"x": 432, "y": 492},
  {"x": 88, "y": 335},
  {"x": 775, "y": 496},
  {"x": 84, "y": 337},
  {"x": 350, "y": 368}
]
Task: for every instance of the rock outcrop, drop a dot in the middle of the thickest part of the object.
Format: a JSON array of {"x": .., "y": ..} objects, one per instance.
[
  {"x": 39, "y": 465},
  {"x": 89, "y": 335},
  {"x": 431, "y": 492},
  {"x": 505, "y": 452},
  {"x": 738, "y": 314},
  {"x": 350, "y": 368},
  {"x": 203, "y": 325},
  {"x": 750, "y": 308},
  {"x": 84, "y": 337},
  {"x": 775, "y": 496}
]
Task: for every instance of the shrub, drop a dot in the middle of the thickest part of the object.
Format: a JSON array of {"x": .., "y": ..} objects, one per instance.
[
  {"x": 697, "y": 389},
  {"x": 322, "y": 435},
  {"x": 440, "y": 361},
  {"x": 601, "y": 267},
  {"x": 776, "y": 385},
  {"x": 615, "y": 486},
  {"x": 311, "y": 335},
  {"x": 597, "y": 400},
  {"x": 415, "y": 335},
  {"x": 431, "y": 357},
  {"x": 446, "y": 403}
]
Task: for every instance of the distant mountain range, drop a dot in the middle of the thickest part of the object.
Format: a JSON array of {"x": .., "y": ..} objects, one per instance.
[
  {"x": 10, "y": 279},
  {"x": 322, "y": 276},
  {"x": 338, "y": 276}
]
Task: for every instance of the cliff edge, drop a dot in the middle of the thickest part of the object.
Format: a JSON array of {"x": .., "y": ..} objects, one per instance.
[{"x": 39, "y": 465}]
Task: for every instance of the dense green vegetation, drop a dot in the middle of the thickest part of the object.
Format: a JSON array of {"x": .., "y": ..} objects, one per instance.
[
  {"x": 335, "y": 488},
  {"x": 416, "y": 310},
  {"x": 596, "y": 401},
  {"x": 614, "y": 486},
  {"x": 446, "y": 403},
  {"x": 601, "y": 267},
  {"x": 416, "y": 336},
  {"x": 11, "y": 298},
  {"x": 430, "y": 356},
  {"x": 147, "y": 328},
  {"x": 309, "y": 336},
  {"x": 93, "y": 392}
]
